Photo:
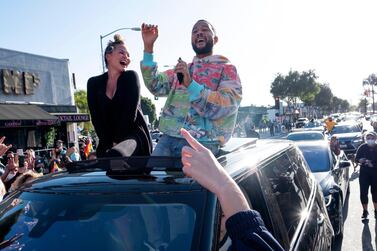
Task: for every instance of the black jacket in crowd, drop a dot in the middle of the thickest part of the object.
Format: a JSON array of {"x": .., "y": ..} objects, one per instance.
[{"x": 118, "y": 118}]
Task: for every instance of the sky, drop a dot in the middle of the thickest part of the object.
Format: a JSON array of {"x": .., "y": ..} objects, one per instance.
[{"x": 337, "y": 39}]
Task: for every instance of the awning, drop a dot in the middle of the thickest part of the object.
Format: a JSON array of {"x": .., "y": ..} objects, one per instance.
[{"x": 20, "y": 115}]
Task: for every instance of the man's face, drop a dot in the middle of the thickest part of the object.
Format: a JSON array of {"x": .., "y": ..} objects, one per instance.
[{"x": 203, "y": 38}]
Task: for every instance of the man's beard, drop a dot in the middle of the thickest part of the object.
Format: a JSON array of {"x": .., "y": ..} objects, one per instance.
[{"x": 204, "y": 50}]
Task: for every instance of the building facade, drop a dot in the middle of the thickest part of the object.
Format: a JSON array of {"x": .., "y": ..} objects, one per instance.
[{"x": 36, "y": 100}]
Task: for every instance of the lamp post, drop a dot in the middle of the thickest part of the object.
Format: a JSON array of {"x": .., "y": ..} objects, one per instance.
[{"x": 102, "y": 37}]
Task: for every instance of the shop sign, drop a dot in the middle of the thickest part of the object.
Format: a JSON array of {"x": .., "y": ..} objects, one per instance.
[
  {"x": 18, "y": 82},
  {"x": 73, "y": 117}
]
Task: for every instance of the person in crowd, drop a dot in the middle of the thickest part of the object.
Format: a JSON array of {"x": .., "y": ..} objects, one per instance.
[
  {"x": 244, "y": 226},
  {"x": 329, "y": 124},
  {"x": 29, "y": 159},
  {"x": 114, "y": 105},
  {"x": 11, "y": 170},
  {"x": 92, "y": 156},
  {"x": 73, "y": 153},
  {"x": 366, "y": 156},
  {"x": 202, "y": 96},
  {"x": 24, "y": 178},
  {"x": 41, "y": 166},
  {"x": 3, "y": 190},
  {"x": 334, "y": 145}
]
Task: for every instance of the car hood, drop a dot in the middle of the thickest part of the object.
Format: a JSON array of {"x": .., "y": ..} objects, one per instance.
[
  {"x": 325, "y": 180},
  {"x": 348, "y": 135}
]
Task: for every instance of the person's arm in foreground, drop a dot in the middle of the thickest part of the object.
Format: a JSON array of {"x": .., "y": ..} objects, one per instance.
[{"x": 245, "y": 226}]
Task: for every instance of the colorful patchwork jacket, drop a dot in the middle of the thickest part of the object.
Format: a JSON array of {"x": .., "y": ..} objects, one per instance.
[{"x": 207, "y": 108}]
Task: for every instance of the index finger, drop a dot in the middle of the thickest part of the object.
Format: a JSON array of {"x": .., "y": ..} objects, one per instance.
[
  {"x": 192, "y": 141},
  {"x": 2, "y": 139}
]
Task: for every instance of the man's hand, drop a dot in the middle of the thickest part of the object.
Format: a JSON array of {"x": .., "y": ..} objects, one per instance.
[
  {"x": 149, "y": 32},
  {"x": 3, "y": 148},
  {"x": 182, "y": 67}
]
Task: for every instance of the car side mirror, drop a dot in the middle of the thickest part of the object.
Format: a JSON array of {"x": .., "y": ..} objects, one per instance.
[{"x": 344, "y": 164}]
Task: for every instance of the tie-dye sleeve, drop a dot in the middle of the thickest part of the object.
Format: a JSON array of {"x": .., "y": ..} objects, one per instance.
[
  {"x": 158, "y": 83},
  {"x": 219, "y": 103}
]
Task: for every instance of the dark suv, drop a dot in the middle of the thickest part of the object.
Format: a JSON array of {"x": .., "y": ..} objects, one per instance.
[{"x": 148, "y": 204}]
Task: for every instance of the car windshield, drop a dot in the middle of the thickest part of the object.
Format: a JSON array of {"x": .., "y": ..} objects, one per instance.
[
  {"x": 345, "y": 129},
  {"x": 305, "y": 136},
  {"x": 317, "y": 157},
  {"x": 65, "y": 222}
]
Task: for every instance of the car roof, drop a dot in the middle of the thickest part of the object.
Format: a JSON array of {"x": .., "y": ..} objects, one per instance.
[
  {"x": 305, "y": 132},
  {"x": 239, "y": 156},
  {"x": 314, "y": 143}
]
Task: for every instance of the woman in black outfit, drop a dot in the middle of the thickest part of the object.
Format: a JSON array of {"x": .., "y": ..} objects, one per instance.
[{"x": 114, "y": 104}]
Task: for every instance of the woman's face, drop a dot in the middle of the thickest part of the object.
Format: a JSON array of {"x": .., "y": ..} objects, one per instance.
[{"x": 118, "y": 59}]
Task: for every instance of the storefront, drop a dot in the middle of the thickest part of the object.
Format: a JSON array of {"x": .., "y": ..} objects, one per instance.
[{"x": 36, "y": 100}]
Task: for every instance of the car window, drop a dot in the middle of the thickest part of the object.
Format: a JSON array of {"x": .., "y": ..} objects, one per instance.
[
  {"x": 285, "y": 187},
  {"x": 305, "y": 136},
  {"x": 82, "y": 224},
  {"x": 345, "y": 129},
  {"x": 316, "y": 157},
  {"x": 303, "y": 173}
]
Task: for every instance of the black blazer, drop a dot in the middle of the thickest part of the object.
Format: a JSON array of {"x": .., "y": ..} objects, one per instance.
[{"x": 118, "y": 118}]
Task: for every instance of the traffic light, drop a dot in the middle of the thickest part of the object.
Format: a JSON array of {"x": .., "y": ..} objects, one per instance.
[{"x": 277, "y": 103}]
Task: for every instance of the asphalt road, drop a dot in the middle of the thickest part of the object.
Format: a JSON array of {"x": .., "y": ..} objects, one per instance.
[{"x": 357, "y": 235}]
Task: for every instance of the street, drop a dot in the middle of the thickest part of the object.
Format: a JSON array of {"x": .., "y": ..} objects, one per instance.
[{"x": 357, "y": 235}]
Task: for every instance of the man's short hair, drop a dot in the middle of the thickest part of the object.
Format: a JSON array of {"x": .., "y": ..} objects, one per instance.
[{"x": 209, "y": 24}]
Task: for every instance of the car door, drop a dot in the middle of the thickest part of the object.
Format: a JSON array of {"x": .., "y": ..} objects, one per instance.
[{"x": 302, "y": 219}]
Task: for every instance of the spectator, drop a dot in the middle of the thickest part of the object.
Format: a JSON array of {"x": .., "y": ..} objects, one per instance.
[
  {"x": 334, "y": 145},
  {"x": 200, "y": 164},
  {"x": 204, "y": 99},
  {"x": 24, "y": 178},
  {"x": 366, "y": 156},
  {"x": 11, "y": 170},
  {"x": 329, "y": 124}
]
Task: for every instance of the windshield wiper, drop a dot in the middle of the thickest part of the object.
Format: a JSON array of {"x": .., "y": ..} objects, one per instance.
[{"x": 8, "y": 242}]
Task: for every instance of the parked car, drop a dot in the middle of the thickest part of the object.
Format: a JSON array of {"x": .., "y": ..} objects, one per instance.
[
  {"x": 306, "y": 135},
  {"x": 301, "y": 122},
  {"x": 332, "y": 173},
  {"x": 349, "y": 135},
  {"x": 127, "y": 203}
]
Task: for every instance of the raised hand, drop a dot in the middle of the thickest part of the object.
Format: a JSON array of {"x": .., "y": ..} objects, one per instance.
[
  {"x": 200, "y": 164},
  {"x": 3, "y": 148},
  {"x": 149, "y": 32}
]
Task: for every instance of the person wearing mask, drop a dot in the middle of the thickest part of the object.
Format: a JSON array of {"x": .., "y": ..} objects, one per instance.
[
  {"x": 202, "y": 96},
  {"x": 244, "y": 226},
  {"x": 366, "y": 156},
  {"x": 114, "y": 105}
]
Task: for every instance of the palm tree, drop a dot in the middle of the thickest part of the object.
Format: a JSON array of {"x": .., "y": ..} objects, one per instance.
[{"x": 372, "y": 82}]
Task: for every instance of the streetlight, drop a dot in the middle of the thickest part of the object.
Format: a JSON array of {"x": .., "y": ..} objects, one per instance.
[{"x": 102, "y": 37}]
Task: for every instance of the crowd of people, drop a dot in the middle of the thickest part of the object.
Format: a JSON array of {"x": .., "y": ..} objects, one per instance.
[{"x": 18, "y": 166}]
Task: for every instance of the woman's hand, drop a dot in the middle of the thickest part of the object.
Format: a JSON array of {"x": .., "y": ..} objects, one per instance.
[
  {"x": 149, "y": 32},
  {"x": 3, "y": 148}
]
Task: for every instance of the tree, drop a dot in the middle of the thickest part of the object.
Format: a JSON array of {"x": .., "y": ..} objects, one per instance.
[
  {"x": 323, "y": 99},
  {"x": 372, "y": 82},
  {"x": 148, "y": 109},
  {"x": 81, "y": 101},
  {"x": 82, "y": 104},
  {"x": 363, "y": 104},
  {"x": 296, "y": 86}
]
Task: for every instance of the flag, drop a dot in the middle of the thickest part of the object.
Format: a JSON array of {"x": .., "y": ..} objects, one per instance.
[
  {"x": 88, "y": 148},
  {"x": 55, "y": 167}
]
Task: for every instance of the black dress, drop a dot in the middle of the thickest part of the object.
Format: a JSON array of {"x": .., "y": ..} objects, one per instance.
[{"x": 121, "y": 117}]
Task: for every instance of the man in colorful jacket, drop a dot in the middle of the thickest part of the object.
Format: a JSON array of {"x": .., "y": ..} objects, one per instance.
[{"x": 203, "y": 96}]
